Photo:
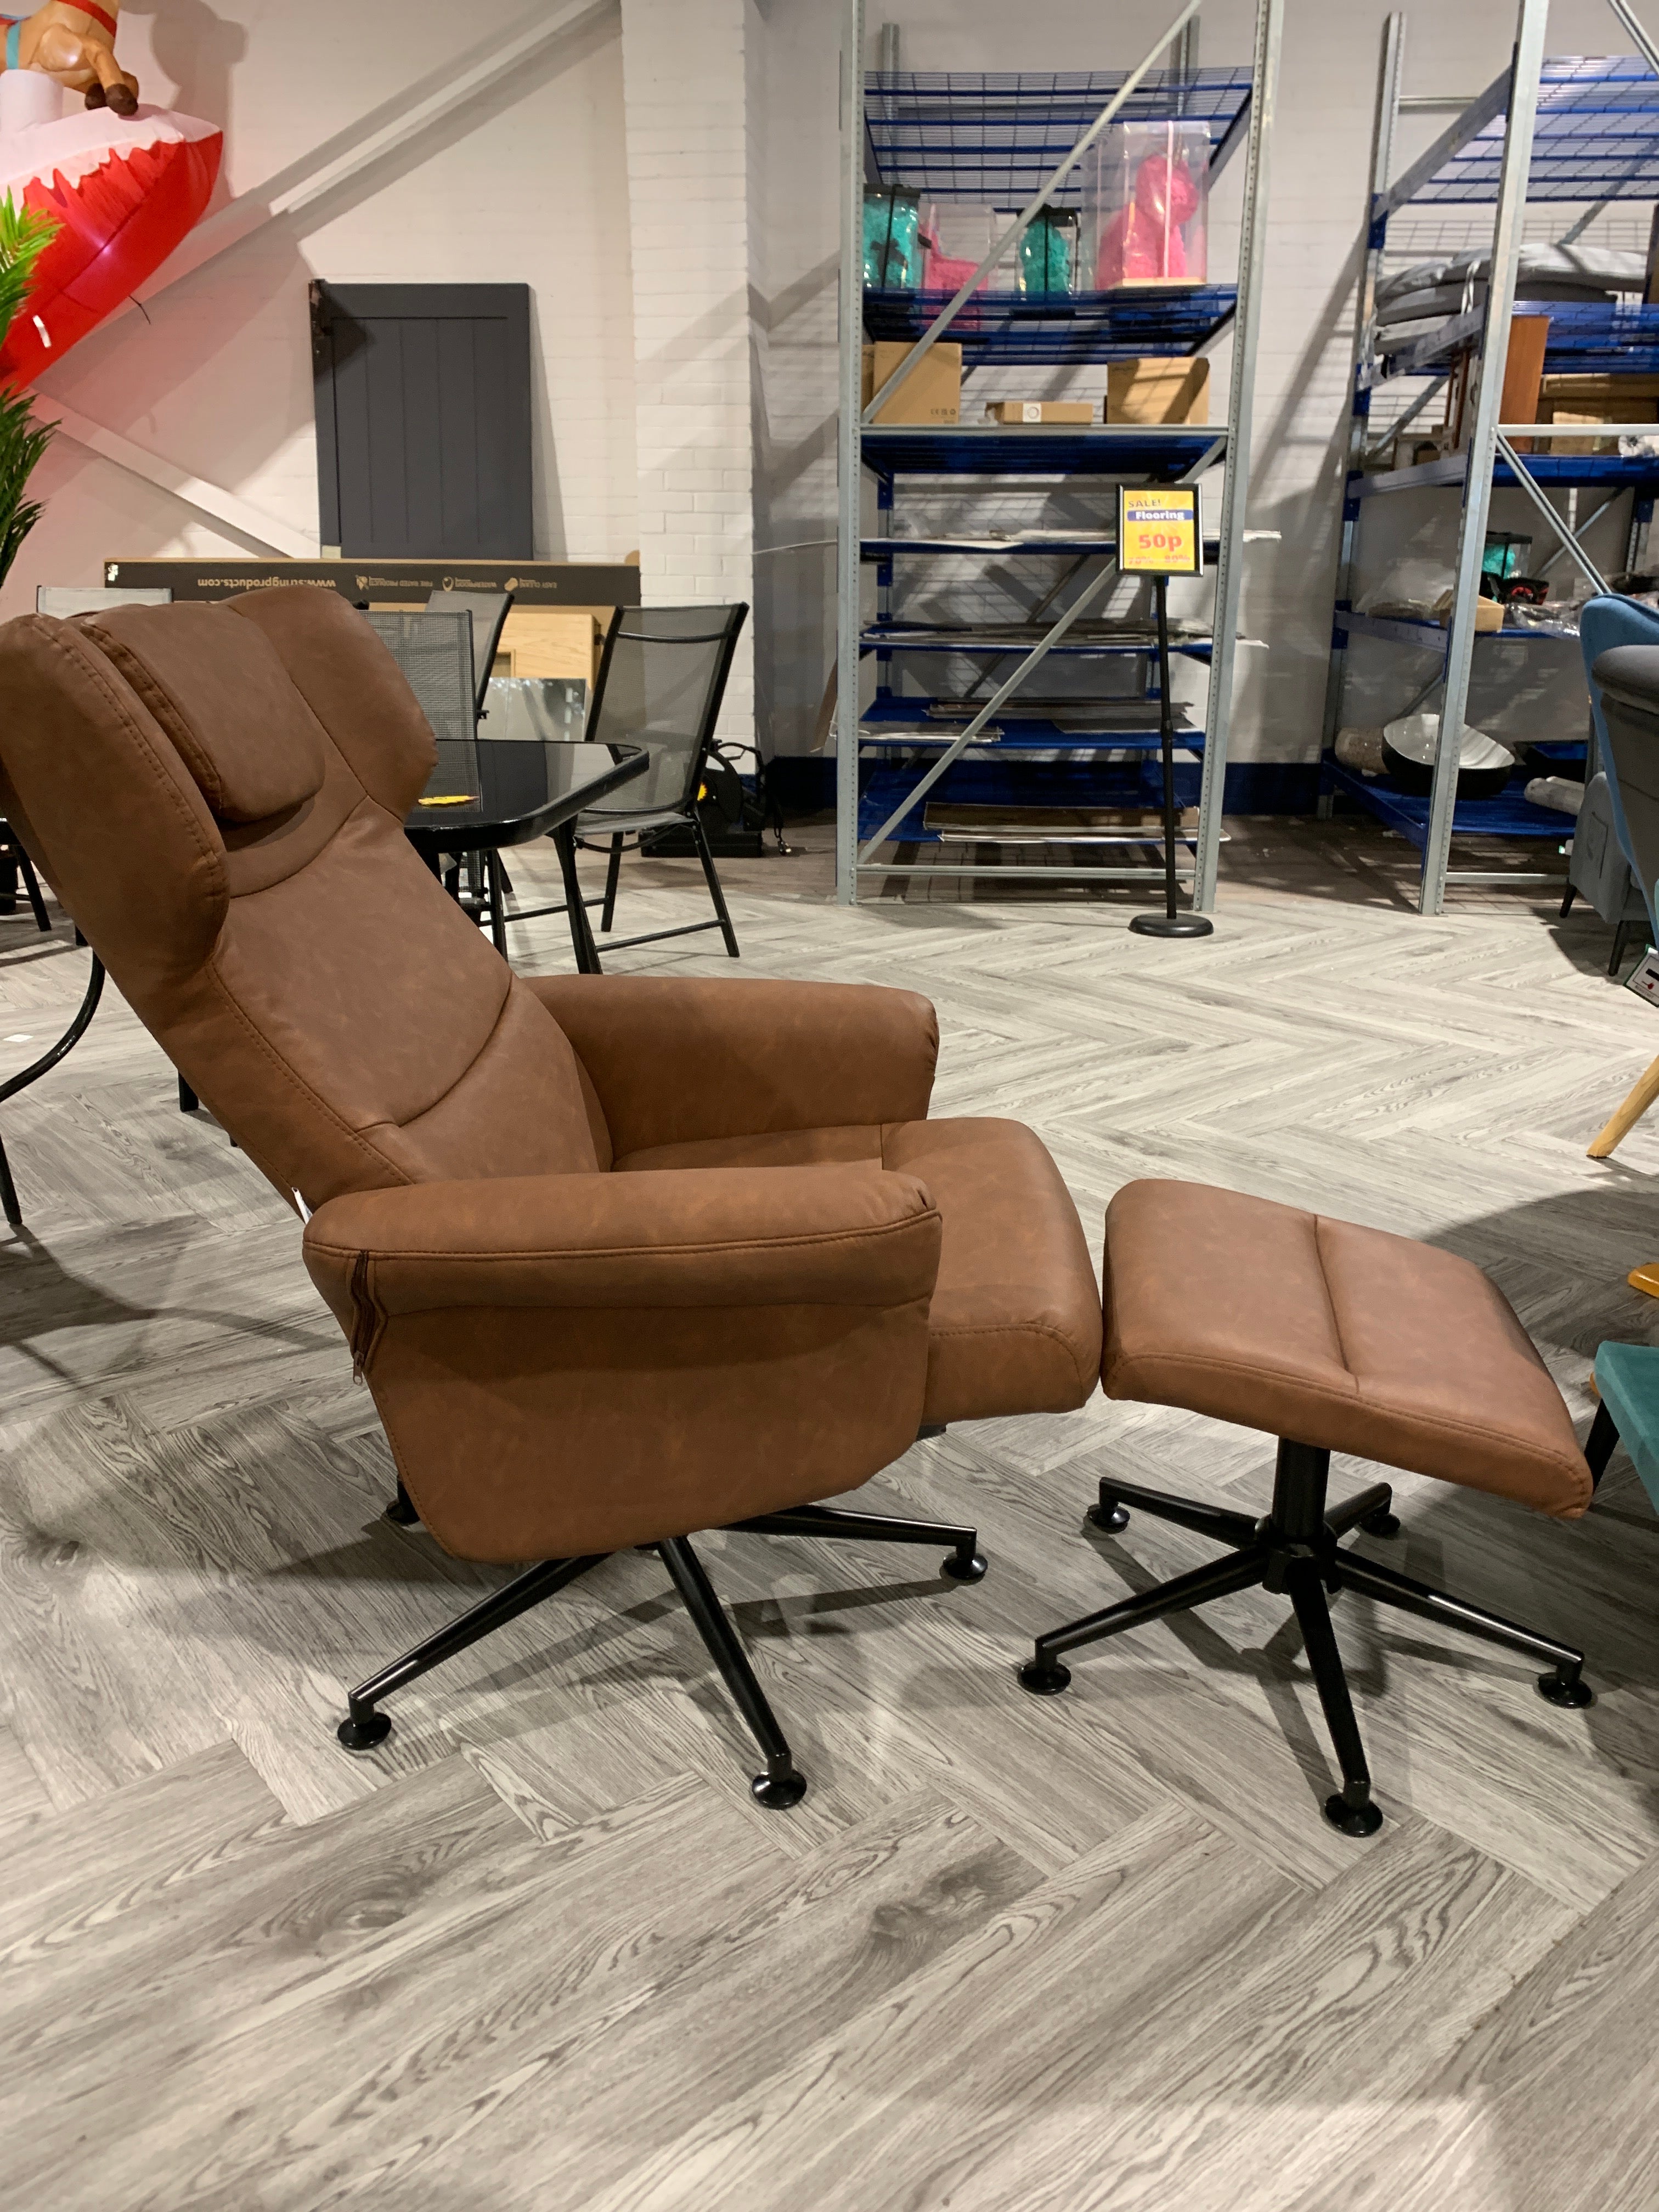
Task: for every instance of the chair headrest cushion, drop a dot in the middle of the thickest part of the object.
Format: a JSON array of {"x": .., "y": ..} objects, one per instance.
[{"x": 216, "y": 686}]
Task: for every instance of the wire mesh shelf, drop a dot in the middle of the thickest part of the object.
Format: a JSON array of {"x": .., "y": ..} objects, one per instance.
[
  {"x": 1587, "y": 339},
  {"x": 993, "y": 140},
  {"x": 1062, "y": 328},
  {"x": 1598, "y": 138},
  {"x": 1157, "y": 454},
  {"x": 1081, "y": 727},
  {"x": 1132, "y": 782},
  {"x": 1510, "y": 814}
]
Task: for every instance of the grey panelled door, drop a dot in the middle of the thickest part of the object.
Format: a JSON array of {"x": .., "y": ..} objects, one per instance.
[{"x": 423, "y": 396}]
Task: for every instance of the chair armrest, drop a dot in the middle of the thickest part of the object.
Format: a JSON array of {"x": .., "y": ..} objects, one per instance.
[
  {"x": 676, "y": 1062},
  {"x": 851, "y": 1235},
  {"x": 579, "y": 1363}
]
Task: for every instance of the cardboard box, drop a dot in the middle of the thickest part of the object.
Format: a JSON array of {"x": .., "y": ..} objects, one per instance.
[
  {"x": 932, "y": 396},
  {"x": 543, "y": 643},
  {"x": 538, "y": 641},
  {"x": 1041, "y": 411},
  {"x": 1589, "y": 399},
  {"x": 1156, "y": 389}
]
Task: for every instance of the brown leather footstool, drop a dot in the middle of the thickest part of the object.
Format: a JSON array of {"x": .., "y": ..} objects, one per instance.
[{"x": 1334, "y": 1338}]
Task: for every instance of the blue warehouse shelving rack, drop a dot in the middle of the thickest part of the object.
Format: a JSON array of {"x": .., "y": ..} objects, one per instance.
[
  {"x": 1014, "y": 143},
  {"x": 1560, "y": 129}
]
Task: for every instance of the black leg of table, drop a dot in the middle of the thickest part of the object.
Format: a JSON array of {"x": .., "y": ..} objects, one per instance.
[
  {"x": 71, "y": 1036},
  {"x": 32, "y": 886},
  {"x": 581, "y": 937},
  {"x": 492, "y": 874}
]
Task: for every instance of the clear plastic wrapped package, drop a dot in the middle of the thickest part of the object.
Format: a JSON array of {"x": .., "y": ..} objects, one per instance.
[
  {"x": 1049, "y": 255},
  {"x": 956, "y": 237},
  {"x": 1147, "y": 196},
  {"x": 892, "y": 241}
]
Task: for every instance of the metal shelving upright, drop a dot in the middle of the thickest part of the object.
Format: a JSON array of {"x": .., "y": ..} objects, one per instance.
[
  {"x": 1014, "y": 140},
  {"x": 1560, "y": 129}
]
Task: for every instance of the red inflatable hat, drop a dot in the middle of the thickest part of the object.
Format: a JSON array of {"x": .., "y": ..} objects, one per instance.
[{"x": 123, "y": 191}]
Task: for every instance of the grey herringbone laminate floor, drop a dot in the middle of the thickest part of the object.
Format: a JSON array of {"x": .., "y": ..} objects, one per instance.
[{"x": 542, "y": 1951}]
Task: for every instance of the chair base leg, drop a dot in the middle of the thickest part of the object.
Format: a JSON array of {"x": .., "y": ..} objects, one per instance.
[
  {"x": 966, "y": 1564},
  {"x": 782, "y": 1785},
  {"x": 1294, "y": 1551},
  {"x": 365, "y": 1726},
  {"x": 403, "y": 1509}
]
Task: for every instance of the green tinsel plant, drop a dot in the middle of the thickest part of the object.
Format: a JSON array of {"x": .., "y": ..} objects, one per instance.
[{"x": 25, "y": 235}]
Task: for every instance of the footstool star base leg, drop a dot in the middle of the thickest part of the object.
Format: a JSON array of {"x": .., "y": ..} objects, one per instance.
[
  {"x": 1351, "y": 1809},
  {"x": 1563, "y": 1688},
  {"x": 1111, "y": 1514},
  {"x": 1372, "y": 1510},
  {"x": 1044, "y": 1675}
]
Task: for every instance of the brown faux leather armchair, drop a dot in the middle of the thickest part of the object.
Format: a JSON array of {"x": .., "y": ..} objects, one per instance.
[{"x": 620, "y": 1258}]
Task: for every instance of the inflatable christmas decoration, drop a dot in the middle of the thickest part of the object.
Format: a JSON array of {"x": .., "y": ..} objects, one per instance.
[
  {"x": 76, "y": 47},
  {"x": 123, "y": 183}
]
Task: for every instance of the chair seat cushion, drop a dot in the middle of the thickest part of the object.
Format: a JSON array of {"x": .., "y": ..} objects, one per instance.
[
  {"x": 1333, "y": 1335},
  {"x": 1014, "y": 1326}
]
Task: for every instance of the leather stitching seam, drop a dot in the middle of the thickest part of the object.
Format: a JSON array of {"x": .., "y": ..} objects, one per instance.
[
  {"x": 449, "y": 1091},
  {"x": 810, "y": 1241},
  {"x": 1017, "y": 1328}
]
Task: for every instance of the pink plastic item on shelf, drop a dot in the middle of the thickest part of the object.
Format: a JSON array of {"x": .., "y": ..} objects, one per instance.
[
  {"x": 1142, "y": 244},
  {"x": 943, "y": 272}
]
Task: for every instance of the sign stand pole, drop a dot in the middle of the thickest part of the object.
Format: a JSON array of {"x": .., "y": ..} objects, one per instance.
[{"x": 1168, "y": 923}]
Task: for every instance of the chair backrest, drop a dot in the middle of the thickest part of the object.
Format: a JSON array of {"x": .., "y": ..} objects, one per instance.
[
  {"x": 489, "y": 611},
  {"x": 218, "y": 792},
  {"x": 1627, "y": 680},
  {"x": 662, "y": 679},
  {"x": 1607, "y": 621},
  {"x": 435, "y": 653}
]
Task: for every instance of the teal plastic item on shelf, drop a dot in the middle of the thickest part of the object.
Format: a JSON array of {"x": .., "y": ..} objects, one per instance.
[
  {"x": 1627, "y": 1376},
  {"x": 892, "y": 241},
  {"x": 1048, "y": 252}
]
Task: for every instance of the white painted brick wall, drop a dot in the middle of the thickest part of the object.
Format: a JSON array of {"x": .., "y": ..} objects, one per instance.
[{"x": 684, "y": 89}]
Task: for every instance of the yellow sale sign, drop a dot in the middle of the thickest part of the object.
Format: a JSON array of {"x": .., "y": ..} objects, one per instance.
[{"x": 1157, "y": 530}]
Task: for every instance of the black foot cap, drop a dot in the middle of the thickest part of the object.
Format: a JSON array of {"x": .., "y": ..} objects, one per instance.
[
  {"x": 1566, "y": 1689},
  {"x": 1172, "y": 925},
  {"x": 1113, "y": 1518},
  {"x": 364, "y": 1735},
  {"x": 1044, "y": 1681},
  {"x": 1353, "y": 1819},
  {"x": 968, "y": 1570},
  {"x": 1381, "y": 1523},
  {"x": 403, "y": 1512},
  {"x": 779, "y": 1792}
]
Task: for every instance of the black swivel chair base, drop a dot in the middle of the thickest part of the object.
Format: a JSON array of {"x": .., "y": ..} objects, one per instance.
[
  {"x": 1295, "y": 1553},
  {"x": 782, "y": 1785}
]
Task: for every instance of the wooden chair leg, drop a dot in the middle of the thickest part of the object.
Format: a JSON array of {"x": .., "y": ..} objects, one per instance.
[{"x": 1642, "y": 1095}]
